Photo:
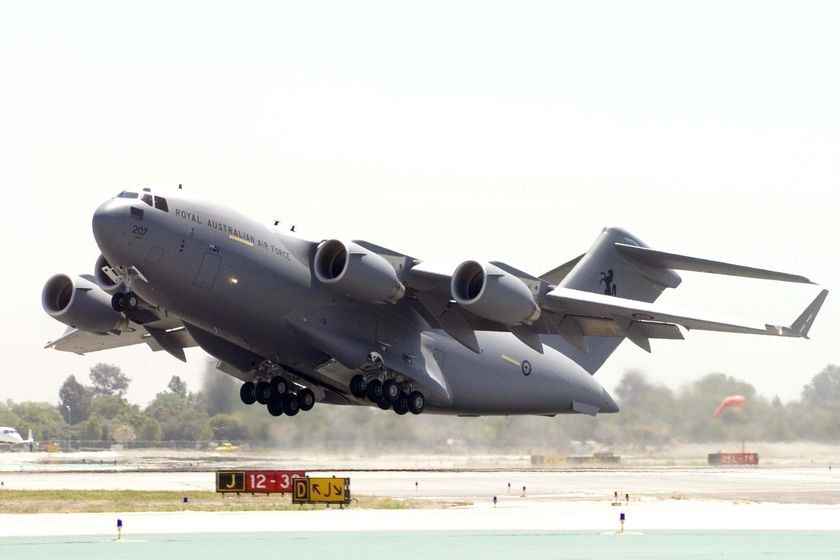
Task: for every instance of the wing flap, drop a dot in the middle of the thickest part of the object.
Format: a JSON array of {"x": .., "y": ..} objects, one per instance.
[{"x": 81, "y": 342}]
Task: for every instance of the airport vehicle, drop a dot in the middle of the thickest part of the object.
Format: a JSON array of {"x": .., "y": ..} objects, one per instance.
[
  {"x": 10, "y": 439},
  {"x": 301, "y": 321}
]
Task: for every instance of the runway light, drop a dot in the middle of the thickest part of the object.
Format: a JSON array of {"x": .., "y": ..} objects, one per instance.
[{"x": 234, "y": 280}]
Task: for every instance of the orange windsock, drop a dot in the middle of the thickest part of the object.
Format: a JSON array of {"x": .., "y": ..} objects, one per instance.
[{"x": 731, "y": 401}]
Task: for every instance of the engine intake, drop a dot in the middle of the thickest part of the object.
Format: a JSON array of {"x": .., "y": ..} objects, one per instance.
[
  {"x": 492, "y": 293},
  {"x": 80, "y": 303},
  {"x": 356, "y": 272}
]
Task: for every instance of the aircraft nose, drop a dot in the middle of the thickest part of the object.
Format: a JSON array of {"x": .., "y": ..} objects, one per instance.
[{"x": 107, "y": 223}]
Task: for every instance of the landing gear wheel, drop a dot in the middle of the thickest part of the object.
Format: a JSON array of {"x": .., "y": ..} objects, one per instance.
[
  {"x": 116, "y": 302},
  {"x": 390, "y": 390},
  {"x": 129, "y": 301},
  {"x": 291, "y": 405},
  {"x": 384, "y": 404},
  {"x": 401, "y": 404},
  {"x": 358, "y": 386},
  {"x": 374, "y": 390},
  {"x": 278, "y": 386},
  {"x": 263, "y": 392},
  {"x": 306, "y": 398},
  {"x": 416, "y": 402},
  {"x": 275, "y": 406},
  {"x": 248, "y": 393}
]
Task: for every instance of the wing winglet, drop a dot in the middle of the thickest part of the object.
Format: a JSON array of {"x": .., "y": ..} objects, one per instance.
[{"x": 803, "y": 323}]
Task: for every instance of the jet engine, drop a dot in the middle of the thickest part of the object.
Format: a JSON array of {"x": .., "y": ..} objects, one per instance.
[
  {"x": 103, "y": 280},
  {"x": 492, "y": 293},
  {"x": 356, "y": 272},
  {"x": 80, "y": 303}
]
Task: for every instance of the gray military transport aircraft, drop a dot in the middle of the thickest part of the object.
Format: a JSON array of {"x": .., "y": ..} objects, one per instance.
[{"x": 349, "y": 322}]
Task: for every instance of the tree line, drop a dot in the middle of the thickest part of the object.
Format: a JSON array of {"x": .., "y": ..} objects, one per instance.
[{"x": 651, "y": 414}]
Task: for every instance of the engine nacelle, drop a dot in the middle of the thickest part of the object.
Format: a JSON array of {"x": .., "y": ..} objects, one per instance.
[
  {"x": 103, "y": 280},
  {"x": 492, "y": 293},
  {"x": 80, "y": 303},
  {"x": 356, "y": 272}
]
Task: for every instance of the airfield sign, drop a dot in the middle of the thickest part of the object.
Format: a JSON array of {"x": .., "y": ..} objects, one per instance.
[
  {"x": 230, "y": 481},
  {"x": 321, "y": 491},
  {"x": 256, "y": 482}
]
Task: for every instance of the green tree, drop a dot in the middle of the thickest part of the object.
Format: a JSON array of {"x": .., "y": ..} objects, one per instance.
[
  {"x": 42, "y": 418},
  {"x": 89, "y": 430},
  {"x": 108, "y": 379},
  {"x": 647, "y": 412},
  {"x": 823, "y": 388},
  {"x": 74, "y": 400},
  {"x": 112, "y": 412},
  {"x": 149, "y": 430},
  {"x": 229, "y": 427},
  {"x": 180, "y": 418},
  {"x": 123, "y": 433},
  {"x": 7, "y": 417}
]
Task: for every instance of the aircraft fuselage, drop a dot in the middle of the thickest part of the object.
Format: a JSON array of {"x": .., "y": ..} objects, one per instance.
[{"x": 251, "y": 285}]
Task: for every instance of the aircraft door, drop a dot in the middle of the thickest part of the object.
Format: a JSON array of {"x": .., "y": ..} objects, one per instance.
[{"x": 208, "y": 271}]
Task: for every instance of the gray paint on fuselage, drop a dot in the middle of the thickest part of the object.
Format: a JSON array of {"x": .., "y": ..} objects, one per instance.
[
  {"x": 261, "y": 289},
  {"x": 488, "y": 381}
]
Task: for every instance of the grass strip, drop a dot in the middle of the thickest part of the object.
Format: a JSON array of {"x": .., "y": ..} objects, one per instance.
[{"x": 97, "y": 501}]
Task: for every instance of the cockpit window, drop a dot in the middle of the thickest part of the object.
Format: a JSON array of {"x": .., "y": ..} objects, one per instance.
[
  {"x": 147, "y": 198},
  {"x": 160, "y": 204},
  {"x": 127, "y": 194}
]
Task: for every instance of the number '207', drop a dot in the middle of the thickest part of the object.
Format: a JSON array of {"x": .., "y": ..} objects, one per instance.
[{"x": 139, "y": 230}]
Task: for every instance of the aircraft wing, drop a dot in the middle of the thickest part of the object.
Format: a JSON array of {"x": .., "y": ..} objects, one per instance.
[
  {"x": 593, "y": 314},
  {"x": 166, "y": 334},
  {"x": 576, "y": 314}
]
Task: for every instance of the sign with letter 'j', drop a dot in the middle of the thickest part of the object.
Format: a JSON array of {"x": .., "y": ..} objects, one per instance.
[{"x": 321, "y": 491}]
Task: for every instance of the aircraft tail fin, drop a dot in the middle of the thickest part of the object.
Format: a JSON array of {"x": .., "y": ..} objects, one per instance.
[
  {"x": 605, "y": 270},
  {"x": 618, "y": 264}
]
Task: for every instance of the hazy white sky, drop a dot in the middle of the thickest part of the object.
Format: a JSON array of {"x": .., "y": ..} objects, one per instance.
[{"x": 448, "y": 130}]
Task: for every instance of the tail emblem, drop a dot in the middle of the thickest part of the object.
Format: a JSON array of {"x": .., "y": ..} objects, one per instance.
[{"x": 607, "y": 281}]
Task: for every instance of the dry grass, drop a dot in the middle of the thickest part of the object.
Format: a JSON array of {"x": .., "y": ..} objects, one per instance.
[{"x": 95, "y": 501}]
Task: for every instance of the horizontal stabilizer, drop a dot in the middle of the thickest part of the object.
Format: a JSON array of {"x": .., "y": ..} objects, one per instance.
[{"x": 661, "y": 259}]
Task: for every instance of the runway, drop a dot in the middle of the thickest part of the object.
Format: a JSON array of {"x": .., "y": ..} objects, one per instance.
[
  {"x": 755, "y": 498},
  {"x": 686, "y": 512},
  {"x": 795, "y": 485}
]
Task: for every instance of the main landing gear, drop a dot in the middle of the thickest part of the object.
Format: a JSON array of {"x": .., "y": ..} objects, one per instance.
[
  {"x": 277, "y": 395},
  {"x": 127, "y": 301},
  {"x": 389, "y": 394}
]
